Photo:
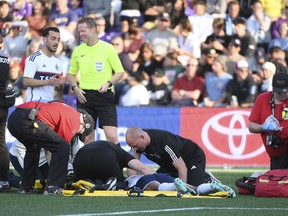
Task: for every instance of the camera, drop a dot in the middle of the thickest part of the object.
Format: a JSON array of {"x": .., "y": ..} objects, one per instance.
[{"x": 273, "y": 140}]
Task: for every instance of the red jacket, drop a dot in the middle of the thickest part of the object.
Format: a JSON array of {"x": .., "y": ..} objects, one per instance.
[{"x": 59, "y": 116}]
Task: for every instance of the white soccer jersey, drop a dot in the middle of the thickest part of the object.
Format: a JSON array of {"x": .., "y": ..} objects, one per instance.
[{"x": 41, "y": 67}]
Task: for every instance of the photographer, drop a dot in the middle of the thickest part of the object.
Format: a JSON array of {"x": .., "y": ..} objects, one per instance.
[
  {"x": 269, "y": 117},
  {"x": 5, "y": 102}
]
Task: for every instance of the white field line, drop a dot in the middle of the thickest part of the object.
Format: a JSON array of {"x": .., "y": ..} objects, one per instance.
[{"x": 178, "y": 209}]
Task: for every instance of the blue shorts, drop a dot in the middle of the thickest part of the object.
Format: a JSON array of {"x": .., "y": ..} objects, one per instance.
[{"x": 145, "y": 180}]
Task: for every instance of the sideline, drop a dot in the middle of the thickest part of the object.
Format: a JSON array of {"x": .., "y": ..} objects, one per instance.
[{"x": 178, "y": 209}]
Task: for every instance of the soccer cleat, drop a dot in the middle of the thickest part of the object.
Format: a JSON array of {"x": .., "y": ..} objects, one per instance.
[
  {"x": 110, "y": 184},
  {"x": 218, "y": 187},
  {"x": 182, "y": 187},
  {"x": 210, "y": 177},
  {"x": 4, "y": 186},
  {"x": 52, "y": 190}
]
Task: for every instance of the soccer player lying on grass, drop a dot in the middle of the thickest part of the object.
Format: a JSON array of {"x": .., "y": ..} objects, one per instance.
[{"x": 165, "y": 182}]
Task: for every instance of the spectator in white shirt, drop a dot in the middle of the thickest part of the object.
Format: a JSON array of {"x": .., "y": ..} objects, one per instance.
[
  {"x": 201, "y": 21},
  {"x": 137, "y": 95}
]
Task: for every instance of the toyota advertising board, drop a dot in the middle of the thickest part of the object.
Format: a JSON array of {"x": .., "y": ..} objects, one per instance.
[{"x": 223, "y": 134}]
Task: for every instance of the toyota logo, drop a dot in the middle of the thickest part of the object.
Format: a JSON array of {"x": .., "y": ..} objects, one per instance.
[{"x": 232, "y": 129}]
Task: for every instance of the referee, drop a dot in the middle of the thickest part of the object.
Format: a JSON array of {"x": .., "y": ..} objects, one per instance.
[{"x": 99, "y": 68}]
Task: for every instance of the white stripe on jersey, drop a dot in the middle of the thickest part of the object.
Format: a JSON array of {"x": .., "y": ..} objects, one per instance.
[
  {"x": 171, "y": 153},
  {"x": 41, "y": 67}
]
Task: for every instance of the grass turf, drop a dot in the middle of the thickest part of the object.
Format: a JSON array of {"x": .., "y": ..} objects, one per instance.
[{"x": 37, "y": 204}]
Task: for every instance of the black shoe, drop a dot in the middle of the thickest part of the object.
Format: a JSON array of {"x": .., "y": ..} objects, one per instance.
[
  {"x": 52, "y": 190},
  {"x": 4, "y": 186},
  {"x": 26, "y": 190},
  {"x": 111, "y": 184}
]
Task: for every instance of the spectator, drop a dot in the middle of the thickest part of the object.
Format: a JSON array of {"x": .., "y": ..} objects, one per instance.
[
  {"x": 256, "y": 62},
  {"x": 96, "y": 9},
  {"x": 245, "y": 8},
  {"x": 269, "y": 69},
  {"x": 162, "y": 38},
  {"x": 206, "y": 60},
  {"x": 101, "y": 30},
  {"x": 217, "y": 8},
  {"x": 273, "y": 8},
  {"x": 5, "y": 16},
  {"x": 159, "y": 92},
  {"x": 172, "y": 68},
  {"x": 233, "y": 13},
  {"x": 233, "y": 55},
  {"x": 37, "y": 21},
  {"x": 278, "y": 57},
  {"x": 281, "y": 41},
  {"x": 137, "y": 95},
  {"x": 188, "y": 89},
  {"x": 16, "y": 43},
  {"x": 241, "y": 91},
  {"x": 133, "y": 40},
  {"x": 258, "y": 25},
  {"x": 218, "y": 40},
  {"x": 189, "y": 45},
  {"x": 63, "y": 17},
  {"x": 277, "y": 23},
  {"x": 177, "y": 12},
  {"x": 122, "y": 86},
  {"x": 130, "y": 13},
  {"x": 201, "y": 21},
  {"x": 77, "y": 7},
  {"x": 33, "y": 46},
  {"x": 146, "y": 62},
  {"x": 16, "y": 82},
  {"x": 215, "y": 84},
  {"x": 21, "y": 9},
  {"x": 248, "y": 44}
]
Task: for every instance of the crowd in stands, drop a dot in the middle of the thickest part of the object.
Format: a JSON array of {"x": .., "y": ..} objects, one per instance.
[{"x": 205, "y": 53}]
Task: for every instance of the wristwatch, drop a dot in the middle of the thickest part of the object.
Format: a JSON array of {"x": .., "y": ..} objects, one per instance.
[
  {"x": 73, "y": 87},
  {"x": 110, "y": 83}
]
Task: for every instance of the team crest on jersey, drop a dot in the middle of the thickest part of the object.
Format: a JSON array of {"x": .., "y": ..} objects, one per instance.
[
  {"x": 99, "y": 66},
  {"x": 57, "y": 67}
]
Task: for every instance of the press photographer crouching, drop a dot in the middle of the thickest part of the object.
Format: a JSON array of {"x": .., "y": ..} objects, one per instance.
[{"x": 269, "y": 117}]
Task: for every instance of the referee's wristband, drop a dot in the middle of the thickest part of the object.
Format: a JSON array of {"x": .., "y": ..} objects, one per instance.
[{"x": 110, "y": 83}]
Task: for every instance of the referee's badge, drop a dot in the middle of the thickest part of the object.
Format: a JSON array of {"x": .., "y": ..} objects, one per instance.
[{"x": 99, "y": 66}]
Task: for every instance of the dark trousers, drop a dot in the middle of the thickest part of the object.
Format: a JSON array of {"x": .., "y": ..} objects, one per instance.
[
  {"x": 4, "y": 154},
  {"x": 35, "y": 138}
]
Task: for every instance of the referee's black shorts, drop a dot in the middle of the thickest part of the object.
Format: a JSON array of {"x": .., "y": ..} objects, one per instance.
[{"x": 101, "y": 106}]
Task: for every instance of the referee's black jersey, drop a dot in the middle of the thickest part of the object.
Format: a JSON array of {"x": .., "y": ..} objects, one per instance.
[{"x": 166, "y": 147}]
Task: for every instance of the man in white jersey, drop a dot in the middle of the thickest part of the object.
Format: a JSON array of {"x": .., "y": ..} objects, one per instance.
[{"x": 43, "y": 71}]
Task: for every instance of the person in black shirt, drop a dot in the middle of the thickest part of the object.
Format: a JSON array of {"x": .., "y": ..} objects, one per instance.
[
  {"x": 242, "y": 90},
  {"x": 177, "y": 156},
  {"x": 5, "y": 103},
  {"x": 101, "y": 160}
]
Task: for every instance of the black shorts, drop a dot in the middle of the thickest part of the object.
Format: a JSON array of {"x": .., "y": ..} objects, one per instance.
[{"x": 101, "y": 106}]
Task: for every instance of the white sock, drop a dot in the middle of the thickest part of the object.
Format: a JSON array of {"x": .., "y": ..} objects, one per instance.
[
  {"x": 204, "y": 188},
  {"x": 167, "y": 187}
]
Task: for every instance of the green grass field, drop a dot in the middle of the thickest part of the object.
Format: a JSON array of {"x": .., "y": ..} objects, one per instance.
[{"x": 36, "y": 204}]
